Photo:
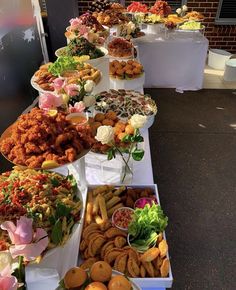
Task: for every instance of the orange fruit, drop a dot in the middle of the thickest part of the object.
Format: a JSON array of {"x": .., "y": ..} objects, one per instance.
[
  {"x": 75, "y": 277},
  {"x": 101, "y": 271},
  {"x": 96, "y": 286},
  {"x": 119, "y": 282}
]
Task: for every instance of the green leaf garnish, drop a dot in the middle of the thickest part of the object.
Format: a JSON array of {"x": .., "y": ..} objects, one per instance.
[
  {"x": 57, "y": 232},
  {"x": 138, "y": 154}
]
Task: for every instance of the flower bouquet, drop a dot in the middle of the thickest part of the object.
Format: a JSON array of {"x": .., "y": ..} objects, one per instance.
[
  {"x": 127, "y": 147},
  {"x": 72, "y": 98}
]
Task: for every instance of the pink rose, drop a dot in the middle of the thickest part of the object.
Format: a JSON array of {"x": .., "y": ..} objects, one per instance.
[
  {"x": 83, "y": 30},
  {"x": 74, "y": 22},
  {"x": 21, "y": 233},
  {"x": 58, "y": 83},
  {"x": 26, "y": 243},
  {"x": 72, "y": 90},
  {"x": 8, "y": 283},
  {"x": 49, "y": 101},
  {"x": 31, "y": 251},
  {"x": 79, "y": 107}
]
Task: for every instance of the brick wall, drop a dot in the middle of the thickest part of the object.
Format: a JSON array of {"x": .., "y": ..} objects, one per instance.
[{"x": 220, "y": 36}]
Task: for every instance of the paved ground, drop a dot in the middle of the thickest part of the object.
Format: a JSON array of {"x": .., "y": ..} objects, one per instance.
[
  {"x": 195, "y": 168},
  {"x": 194, "y": 164}
]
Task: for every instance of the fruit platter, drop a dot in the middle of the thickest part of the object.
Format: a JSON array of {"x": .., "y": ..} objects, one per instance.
[
  {"x": 191, "y": 26},
  {"x": 137, "y": 7},
  {"x": 146, "y": 261},
  {"x": 39, "y": 140}
]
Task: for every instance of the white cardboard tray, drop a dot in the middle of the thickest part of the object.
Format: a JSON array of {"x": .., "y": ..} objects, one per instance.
[{"x": 148, "y": 282}]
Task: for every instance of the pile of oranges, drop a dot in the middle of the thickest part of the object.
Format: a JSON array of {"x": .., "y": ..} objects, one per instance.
[{"x": 99, "y": 278}]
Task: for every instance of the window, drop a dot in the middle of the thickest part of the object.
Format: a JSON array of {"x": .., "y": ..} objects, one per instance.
[{"x": 226, "y": 13}]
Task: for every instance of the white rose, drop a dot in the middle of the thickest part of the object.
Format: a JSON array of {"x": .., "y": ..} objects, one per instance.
[
  {"x": 178, "y": 11},
  {"x": 89, "y": 86},
  {"x": 138, "y": 121},
  {"x": 105, "y": 134},
  {"x": 185, "y": 8},
  {"x": 89, "y": 101}
]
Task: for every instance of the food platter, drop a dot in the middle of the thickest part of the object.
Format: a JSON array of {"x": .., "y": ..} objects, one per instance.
[
  {"x": 60, "y": 52},
  {"x": 114, "y": 273},
  {"x": 51, "y": 164},
  {"x": 65, "y": 250},
  {"x": 147, "y": 281}
]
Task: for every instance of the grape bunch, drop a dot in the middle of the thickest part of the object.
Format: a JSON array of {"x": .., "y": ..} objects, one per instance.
[{"x": 99, "y": 5}]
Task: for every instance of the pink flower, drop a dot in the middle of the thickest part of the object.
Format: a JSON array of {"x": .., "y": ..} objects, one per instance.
[
  {"x": 8, "y": 282},
  {"x": 32, "y": 250},
  {"x": 74, "y": 22},
  {"x": 21, "y": 233},
  {"x": 49, "y": 101},
  {"x": 79, "y": 107},
  {"x": 83, "y": 30},
  {"x": 58, "y": 83},
  {"x": 72, "y": 89},
  {"x": 26, "y": 243}
]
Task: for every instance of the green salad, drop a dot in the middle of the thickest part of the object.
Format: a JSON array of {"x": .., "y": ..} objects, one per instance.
[
  {"x": 63, "y": 63},
  {"x": 81, "y": 46},
  {"x": 146, "y": 225}
]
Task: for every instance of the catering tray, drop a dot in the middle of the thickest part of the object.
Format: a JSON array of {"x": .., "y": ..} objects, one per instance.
[{"x": 145, "y": 282}]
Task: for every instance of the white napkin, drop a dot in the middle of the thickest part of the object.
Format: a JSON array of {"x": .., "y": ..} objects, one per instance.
[{"x": 38, "y": 279}]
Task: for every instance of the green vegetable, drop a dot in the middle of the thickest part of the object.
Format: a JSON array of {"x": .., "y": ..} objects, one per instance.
[
  {"x": 63, "y": 63},
  {"x": 81, "y": 46},
  {"x": 73, "y": 182},
  {"x": 145, "y": 226},
  {"x": 57, "y": 233}
]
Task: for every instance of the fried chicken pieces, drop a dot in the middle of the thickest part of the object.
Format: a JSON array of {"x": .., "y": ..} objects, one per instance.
[
  {"x": 109, "y": 244},
  {"x": 37, "y": 137}
]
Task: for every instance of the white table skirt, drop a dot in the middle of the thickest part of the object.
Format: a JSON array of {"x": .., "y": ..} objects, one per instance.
[{"x": 174, "y": 62}]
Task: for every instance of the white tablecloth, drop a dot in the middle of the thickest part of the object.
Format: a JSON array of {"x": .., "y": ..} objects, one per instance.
[
  {"x": 175, "y": 60},
  {"x": 142, "y": 170}
]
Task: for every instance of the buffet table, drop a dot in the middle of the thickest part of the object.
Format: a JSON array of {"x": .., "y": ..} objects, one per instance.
[{"x": 173, "y": 60}]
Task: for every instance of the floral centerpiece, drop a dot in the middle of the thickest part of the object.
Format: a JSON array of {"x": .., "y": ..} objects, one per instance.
[
  {"x": 88, "y": 27},
  {"x": 72, "y": 98},
  {"x": 27, "y": 245},
  {"x": 106, "y": 136}
]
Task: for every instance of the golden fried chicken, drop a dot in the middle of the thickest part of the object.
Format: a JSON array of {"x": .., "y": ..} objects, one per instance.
[{"x": 37, "y": 137}]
